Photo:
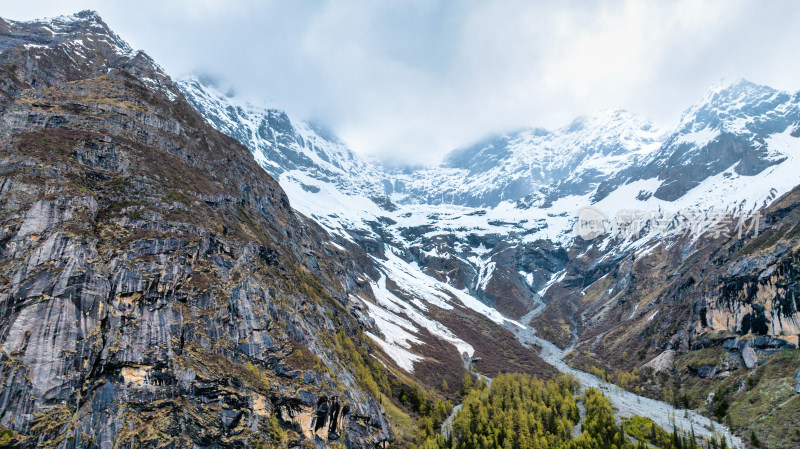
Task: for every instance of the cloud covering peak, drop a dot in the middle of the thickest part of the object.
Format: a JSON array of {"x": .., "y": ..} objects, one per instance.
[{"x": 411, "y": 80}]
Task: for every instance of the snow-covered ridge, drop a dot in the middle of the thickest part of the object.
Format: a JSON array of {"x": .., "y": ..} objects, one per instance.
[
  {"x": 574, "y": 158},
  {"x": 282, "y": 144},
  {"x": 543, "y": 176}
]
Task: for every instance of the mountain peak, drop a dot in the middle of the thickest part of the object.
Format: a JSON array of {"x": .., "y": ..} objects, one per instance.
[
  {"x": 729, "y": 100},
  {"x": 613, "y": 121},
  {"x": 65, "y": 28},
  {"x": 87, "y": 17},
  {"x": 738, "y": 89}
]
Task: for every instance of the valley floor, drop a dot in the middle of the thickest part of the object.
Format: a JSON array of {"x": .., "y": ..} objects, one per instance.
[{"x": 627, "y": 404}]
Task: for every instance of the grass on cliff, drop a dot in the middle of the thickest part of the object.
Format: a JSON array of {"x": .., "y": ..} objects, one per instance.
[
  {"x": 761, "y": 401},
  {"x": 9, "y": 438},
  {"x": 415, "y": 412},
  {"x": 768, "y": 405}
]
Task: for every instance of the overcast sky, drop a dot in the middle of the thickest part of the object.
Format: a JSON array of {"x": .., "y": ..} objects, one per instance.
[{"x": 411, "y": 80}]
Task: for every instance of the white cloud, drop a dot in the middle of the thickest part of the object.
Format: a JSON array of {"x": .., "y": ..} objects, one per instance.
[{"x": 411, "y": 80}]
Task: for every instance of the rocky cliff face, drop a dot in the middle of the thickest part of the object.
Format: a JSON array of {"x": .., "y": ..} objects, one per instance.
[
  {"x": 717, "y": 283},
  {"x": 156, "y": 288}
]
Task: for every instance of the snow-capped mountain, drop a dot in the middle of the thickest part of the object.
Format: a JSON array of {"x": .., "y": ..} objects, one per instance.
[
  {"x": 495, "y": 220},
  {"x": 536, "y": 164},
  {"x": 524, "y": 183},
  {"x": 729, "y": 130}
]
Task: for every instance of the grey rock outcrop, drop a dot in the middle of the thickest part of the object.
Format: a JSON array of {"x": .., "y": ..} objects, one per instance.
[
  {"x": 750, "y": 357},
  {"x": 797, "y": 380}
]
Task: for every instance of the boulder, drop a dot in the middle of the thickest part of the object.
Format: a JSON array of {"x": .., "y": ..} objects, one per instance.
[
  {"x": 662, "y": 362},
  {"x": 797, "y": 381},
  {"x": 749, "y": 356}
]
